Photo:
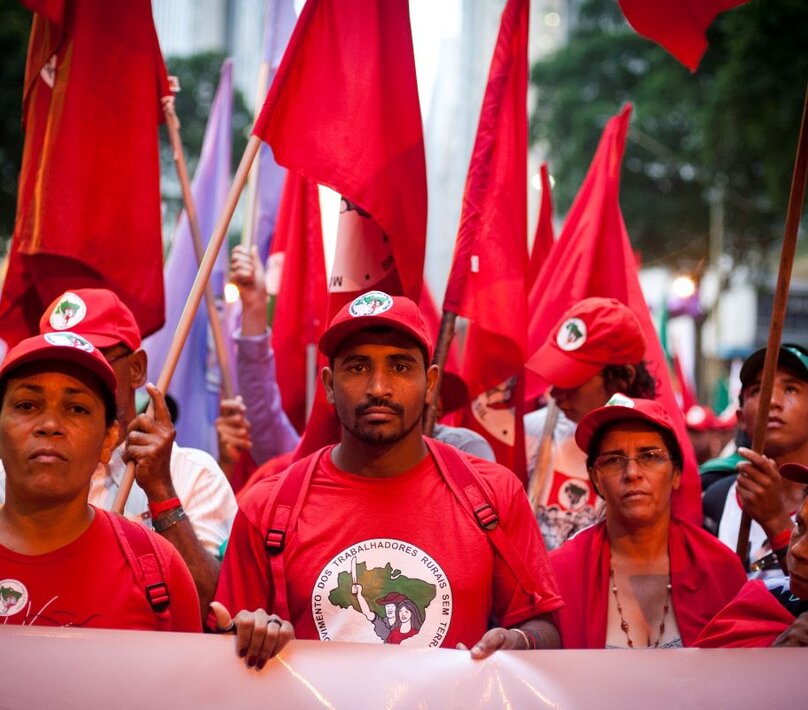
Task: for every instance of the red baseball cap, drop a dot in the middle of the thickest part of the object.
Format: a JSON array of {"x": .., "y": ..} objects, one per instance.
[
  {"x": 620, "y": 408},
  {"x": 59, "y": 347},
  {"x": 373, "y": 309},
  {"x": 794, "y": 472},
  {"x": 594, "y": 333},
  {"x": 699, "y": 418},
  {"x": 96, "y": 314}
]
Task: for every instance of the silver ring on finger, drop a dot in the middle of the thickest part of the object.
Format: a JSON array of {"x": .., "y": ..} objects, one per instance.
[{"x": 274, "y": 621}]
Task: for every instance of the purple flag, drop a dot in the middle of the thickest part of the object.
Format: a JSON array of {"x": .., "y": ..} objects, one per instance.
[
  {"x": 196, "y": 381},
  {"x": 280, "y": 20}
]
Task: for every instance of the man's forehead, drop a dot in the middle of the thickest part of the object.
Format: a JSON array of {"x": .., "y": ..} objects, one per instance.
[
  {"x": 373, "y": 338},
  {"x": 783, "y": 372}
]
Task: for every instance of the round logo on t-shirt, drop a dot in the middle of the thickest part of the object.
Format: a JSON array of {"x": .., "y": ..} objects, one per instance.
[
  {"x": 382, "y": 591},
  {"x": 13, "y": 596},
  {"x": 571, "y": 335},
  {"x": 70, "y": 310}
]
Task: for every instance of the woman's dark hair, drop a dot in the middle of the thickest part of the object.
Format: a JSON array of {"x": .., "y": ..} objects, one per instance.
[
  {"x": 668, "y": 438},
  {"x": 617, "y": 378}
]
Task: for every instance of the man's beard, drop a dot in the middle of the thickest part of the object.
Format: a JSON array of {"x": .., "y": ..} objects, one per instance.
[{"x": 375, "y": 435}]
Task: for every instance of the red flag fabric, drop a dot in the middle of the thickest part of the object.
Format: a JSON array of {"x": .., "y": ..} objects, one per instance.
[
  {"x": 545, "y": 235},
  {"x": 487, "y": 283},
  {"x": 88, "y": 205},
  {"x": 593, "y": 257},
  {"x": 680, "y": 26},
  {"x": 343, "y": 111},
  {"x": 689, "y": 398},
  {"x": 297, "y": 283}
]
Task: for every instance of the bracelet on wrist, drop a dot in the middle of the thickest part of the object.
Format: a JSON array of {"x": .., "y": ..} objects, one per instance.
[
  {"x": 168, "y": 520},
  {"x": 163, "y": 506},
  {"x": 528, "y": 641}
]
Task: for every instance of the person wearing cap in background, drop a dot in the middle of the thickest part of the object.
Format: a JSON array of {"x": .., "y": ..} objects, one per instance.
[
  {"x": 383, "y": 511},
  {"x": 594, "y": 351},
  {"x": 773, "y": 612},
  {"x": 180, "y": 493},
  {"x": 65, "y": 562},
  {"x": 770, "y": 500},
  {"x": 641, "y": 578}
]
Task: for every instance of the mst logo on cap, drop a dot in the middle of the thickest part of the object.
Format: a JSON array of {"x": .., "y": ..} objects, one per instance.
[
  {"x": 372, "y": 303},
  {"x": 69, "y": 340},
  {"x": 69, "y": 311},
  {"x": 571, "y": 335},
  {"x": 620, "y": 400}
]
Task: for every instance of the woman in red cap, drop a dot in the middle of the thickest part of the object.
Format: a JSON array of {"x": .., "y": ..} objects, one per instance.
[{"x": 640, "y": 578}]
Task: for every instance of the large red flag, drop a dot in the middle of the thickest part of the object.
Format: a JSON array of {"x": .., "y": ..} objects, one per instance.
[
  {"x": 593, "y": 257},
  {"x": 297, "y": 286},
  {"x": 680, "y": 26},
  {"x": 343, "y": 111},
  {"x": 88, "y": 205},
  {"x": 487, "y": 283},
  {"x": 545, "y": 235}
]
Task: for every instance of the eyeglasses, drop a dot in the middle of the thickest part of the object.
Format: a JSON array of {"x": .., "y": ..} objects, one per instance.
[
  {"x": 617, "y": 463},
  {"x": 119, "y": 356}
]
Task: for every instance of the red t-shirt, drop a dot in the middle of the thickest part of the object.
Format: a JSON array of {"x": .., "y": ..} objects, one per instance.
[
  {"x": 89, "y": 583},
  {"x": 404, "y": 538}
]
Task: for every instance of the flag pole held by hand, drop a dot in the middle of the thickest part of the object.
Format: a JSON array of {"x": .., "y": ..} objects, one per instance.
[
  {"x": 195, "y": 296},
  {"x": 795, "y": 201}
]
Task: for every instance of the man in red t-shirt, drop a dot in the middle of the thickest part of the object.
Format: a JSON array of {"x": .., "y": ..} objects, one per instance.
[
  {"x": 379, "y": 542},
  {"x": 64, "y": 562}
]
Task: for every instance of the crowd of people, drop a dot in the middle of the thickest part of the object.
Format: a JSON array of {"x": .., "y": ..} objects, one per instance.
[{"x": 388, "y": 536}]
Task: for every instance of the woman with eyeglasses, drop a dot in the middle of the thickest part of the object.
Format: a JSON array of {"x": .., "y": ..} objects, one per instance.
[{"x": 639, "y": 578}]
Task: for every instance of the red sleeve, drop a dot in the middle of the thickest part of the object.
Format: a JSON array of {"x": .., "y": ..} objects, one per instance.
[
  {"x": 754, "y": 619},
  {"x": 244, "y": 579},
  {"x": 512, "y": 604}
]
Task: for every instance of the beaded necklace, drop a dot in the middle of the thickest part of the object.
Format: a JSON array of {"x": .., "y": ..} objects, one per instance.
[{"x": 624, "y": 623}]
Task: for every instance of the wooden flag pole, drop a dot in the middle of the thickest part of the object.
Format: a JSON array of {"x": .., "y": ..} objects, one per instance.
[
  {"x": 248, "y": 228},
  {"x": 195, "y": 296},
  {"x": 173, "y": 125},
  {"x": 542, "y": 468},
  {"x": 447, "y": 330},
  {"x": 795, "y": 201}
]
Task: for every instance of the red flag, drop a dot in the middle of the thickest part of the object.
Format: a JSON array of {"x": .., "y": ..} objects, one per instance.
[
  {"x": 343, "y": 111},
  {"x": 680, "y": 26},
  {"x": 297, "y": 283},
  {"x": 88, "y": 205},
  {"x": 689, "y": 398},
  {"x": 487, "y": 283},
  {"x": 545, "y": 236},
  {"x": 593, "y": 257}
]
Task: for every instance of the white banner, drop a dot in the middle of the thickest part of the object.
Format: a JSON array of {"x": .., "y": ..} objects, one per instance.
[{"x": 72, "y": 668}]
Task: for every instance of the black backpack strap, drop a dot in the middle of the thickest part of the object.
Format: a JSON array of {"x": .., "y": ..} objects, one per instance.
[
  {"x": 144, "y": 560},
  {"x": 464, "y": 481},
  {"x": 279, "y": 521}
]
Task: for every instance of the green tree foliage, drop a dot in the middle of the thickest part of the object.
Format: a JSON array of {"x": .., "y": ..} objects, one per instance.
[
  {"x": 15, "y": 25},
  {"x": 736, "y": 119}
]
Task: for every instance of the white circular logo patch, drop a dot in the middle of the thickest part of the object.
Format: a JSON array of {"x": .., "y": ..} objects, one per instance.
[
  {"x": 13, "y": 596},
  {"x": 371, "y": 303},
  {"x": 620, "y": 400},
  {"x": 382, "y": 591},
  {"x": 69, "y": 311},
  {"x": 571, "y": 335},
  {"x": 69, "y": 340}
]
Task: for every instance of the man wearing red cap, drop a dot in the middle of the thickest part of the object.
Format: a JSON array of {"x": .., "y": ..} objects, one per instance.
[
  {"x": 386, "y": 511},
  {"x": 594, "y": 351},
  {"x": 64, "y": 562},
  {"x": 774, "y": 612},
  {"x": 180, "y": 493}
]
